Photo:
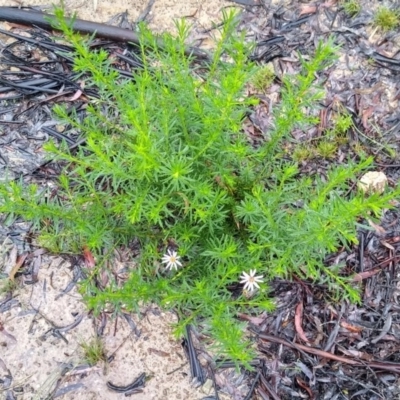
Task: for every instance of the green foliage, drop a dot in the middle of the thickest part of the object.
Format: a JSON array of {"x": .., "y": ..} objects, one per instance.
[
  {"x": 263, "y": 78},
  {"x": 359, "y": 149},
  {"x": 351, "y": 7},
  {"x": 94, "y": 351},
  {"x": 386, "y": 18},
  {"x": 326, "y": 149},
  {"x": 303, "y": 152},
  {"x": 166, "y": 162},
  {"x": 342, "y": 123},
  {"x": 7, "y": 285},
  {"x": 326, "y": 146}
]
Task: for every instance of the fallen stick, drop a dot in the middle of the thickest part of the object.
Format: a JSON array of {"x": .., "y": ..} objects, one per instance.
[
  {"x": 42, "y": 20},
  {"x": 381, "y": 365}
]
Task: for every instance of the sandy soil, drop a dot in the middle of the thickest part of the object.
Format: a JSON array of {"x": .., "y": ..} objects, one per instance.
[
  {"x": 202, "y": 13},
  {"x": 35, "y": 358}
]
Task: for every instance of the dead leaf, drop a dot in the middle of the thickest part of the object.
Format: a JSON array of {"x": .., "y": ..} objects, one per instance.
[
  {"x": 17, "y": 266},
  {"x": 252, "y": 320},
  {"x": 357, "y": 354},
  {"x": 304, "y": 386},
  {"x": 365, "y": 116},
  {"x": 378, "y": 229},
  {"x": 297, "y": 322},
  {"x": 395, "y": 239},
  {"x": 320, "y": 336},
  {"x": 308, "y": 9},
  {"x": 387, "y": 245},
  {"x": 76, "y": 96},
  {"x": 88, "y": 257},
  {"x": 350, "y": 327},
  {"x": 366, "y": 274}
]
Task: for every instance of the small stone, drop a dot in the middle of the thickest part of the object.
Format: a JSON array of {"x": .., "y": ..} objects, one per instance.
[
  {"x": 208, "y": 387},
  {"x": 373, "y": 182}
]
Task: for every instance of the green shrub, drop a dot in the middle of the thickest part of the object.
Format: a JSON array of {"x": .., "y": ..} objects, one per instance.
[
  {"x": 166, "y": 162},
  {"x": 386, "y": 19},
  {"x": 94, "y": 351},
  {"x": 326, "y": 149},
  {"x": 351, "y": 7},
  {"x": 263, "y": 78}
]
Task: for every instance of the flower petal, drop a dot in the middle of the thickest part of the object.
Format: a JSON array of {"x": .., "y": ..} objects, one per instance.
[
  {"x": 245, "y": 276},
  {"x": 256, "y": 285},
  {"x": 247, "y": 286}
]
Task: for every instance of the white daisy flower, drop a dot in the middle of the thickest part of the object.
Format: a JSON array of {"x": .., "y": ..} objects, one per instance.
[
  {"x": 250, "y": 280},
  {"x": 171, "y": 258}
]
